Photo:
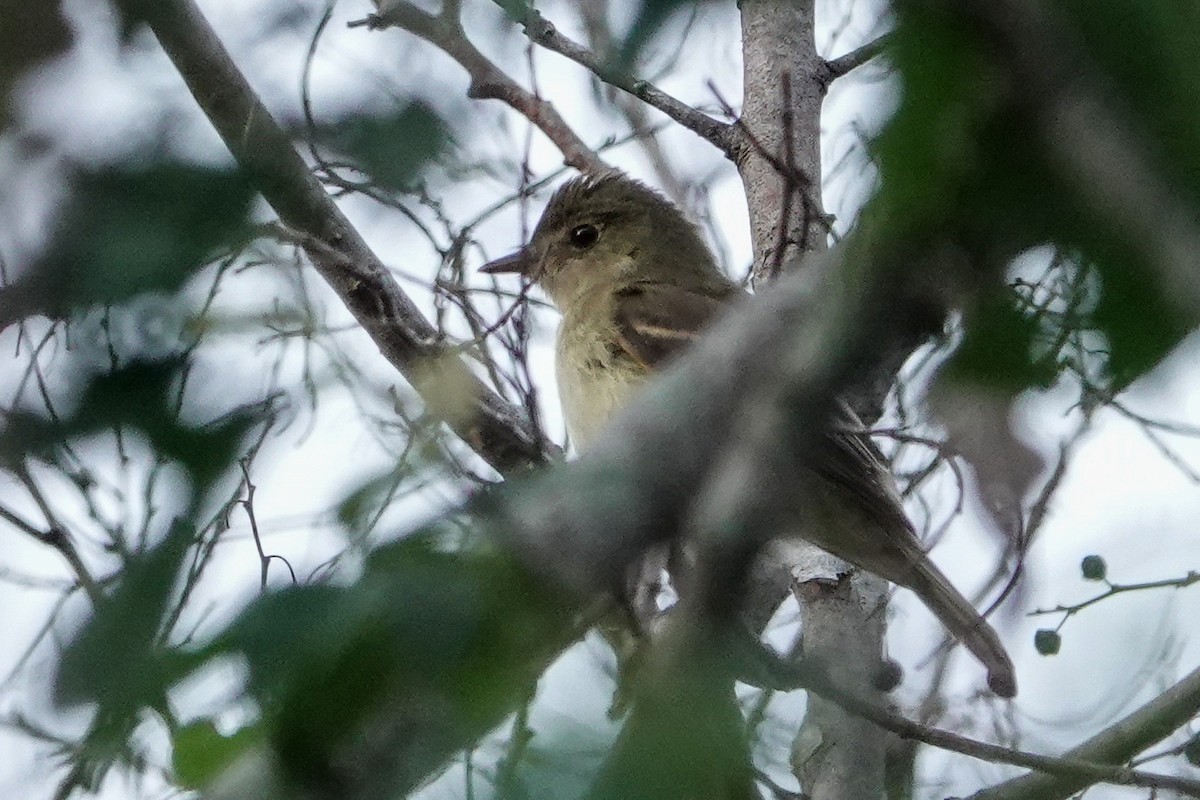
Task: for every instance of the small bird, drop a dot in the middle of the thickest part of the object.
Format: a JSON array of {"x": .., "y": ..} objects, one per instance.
[{"x": 635, "y": 283}]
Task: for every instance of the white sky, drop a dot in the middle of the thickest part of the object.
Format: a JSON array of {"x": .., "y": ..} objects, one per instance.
[{"x": 1121, "y": 499}]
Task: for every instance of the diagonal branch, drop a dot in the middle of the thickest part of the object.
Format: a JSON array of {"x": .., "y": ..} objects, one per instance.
[
  {"x": 488, "y": 81},
  {"x": 57, "y": 538},
  {"x": 843, "y": 64},
  {"x": 542, "y": 31},
  {"x": 1116, "y": 744},
  {"x": 1076, "y": 770},
  {"x": 492, "y": 427}
]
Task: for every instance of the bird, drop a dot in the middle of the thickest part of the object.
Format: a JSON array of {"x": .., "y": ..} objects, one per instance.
[{"x": 635, "y": 284}]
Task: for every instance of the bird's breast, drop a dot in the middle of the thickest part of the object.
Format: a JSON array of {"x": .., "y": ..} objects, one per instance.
[{"x": 594, "y": 380}]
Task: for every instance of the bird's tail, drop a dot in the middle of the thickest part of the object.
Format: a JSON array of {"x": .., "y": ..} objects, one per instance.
[{"x": 962, "y": 620}]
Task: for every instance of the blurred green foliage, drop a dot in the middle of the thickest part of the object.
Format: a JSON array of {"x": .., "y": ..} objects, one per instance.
[
  {"x": 138, "y": 396},
  {"x": 392, "y": 149},
  {"x": 32, "y": 33},
  {"x": 130, "y": 230},
  {"x": 201, "y": 753},
  {"x": 964, "y": 156},
  {"x": 442, "y": 642}
]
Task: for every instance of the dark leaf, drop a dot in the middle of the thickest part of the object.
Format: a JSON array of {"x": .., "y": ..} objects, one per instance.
[
  {"x": 201, "y": 754},
  {"x": 964, "y": 156},
  {"x": 136, "y": 396},
  {"x": 997, "y": 350},
  {"x": 452, "y": 638},
  {"x": 392, "y": 149},
  {"x": 31, "y": 33},
  {"x": 1191, "y": 751},
  {"x": 130, "y": 231},
  {"x": 116, "y": 659}
]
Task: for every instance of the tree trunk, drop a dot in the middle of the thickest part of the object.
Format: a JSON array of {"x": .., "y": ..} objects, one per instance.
[{"x": 835, "y": 755}]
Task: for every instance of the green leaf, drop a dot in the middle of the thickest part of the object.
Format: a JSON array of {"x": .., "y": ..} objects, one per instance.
[
  {"x": 117, "y": 659},
  {"x": 392, "y": 149},
  {"x": 965, "y": 160},
  {"x": 1191, "y": 751},
  {"x": 455, "y": 632},
  {"x": 1139, "y": 322},
  {"x": 1146, "y": 50},
  {"x": 139, "y": 396},
  {"x": 367, "y": 500},
  {"x": 997, "y": 350},
  {"x": 201, "y": 754},
  {"x": 127, "y": 231},
  {"x": 685, "y": 736}
]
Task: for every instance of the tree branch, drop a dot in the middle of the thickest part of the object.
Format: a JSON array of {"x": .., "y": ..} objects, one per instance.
[
  {"x": 492, "y": 428},
  {"x": 543, "y": 32},
  {"x": 488, "y": 81},
  {"x": 1060, "y": 775},
  {"x": 1116, "y": 744},
  {"x": 843, "y": 64},
  {"x": 60, "y": 541},
  {"x": 780, "y": 134}
]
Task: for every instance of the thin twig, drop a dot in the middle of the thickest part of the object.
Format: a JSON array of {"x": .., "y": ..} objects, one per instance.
[
  {"x": 55, "y": 537},
  {"x": 488, "y": 81},
  {"x": 543, "y": 32},
  {"x": 791, "y": 676},
  {"x": 1190, "y": 579},
  {"x": 264, "y": 560},
  {"x": 843, "y": 64}
]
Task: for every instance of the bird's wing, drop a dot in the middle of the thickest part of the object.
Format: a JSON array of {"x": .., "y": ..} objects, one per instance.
[
  {"x": 654, "y": 322},
  {"x": 849, "y": 461}
]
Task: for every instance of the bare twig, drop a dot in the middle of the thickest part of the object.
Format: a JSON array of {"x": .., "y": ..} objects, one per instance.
[
  {"x": 843, "y": 64},
  {"x": 1190, "y": 579},
  {"x": 55, "y": 537},
  {"x": 1081, "y": 767},
  {"x": 543, "y": 32},
  {"x": 1074, "y": 769},
  {"x": 792, "y": 174},
  {"x": 488, "y": 81},
  {"x": 264, "y": 560}
]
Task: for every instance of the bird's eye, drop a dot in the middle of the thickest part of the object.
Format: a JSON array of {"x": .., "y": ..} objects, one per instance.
[{"x": 584, "y": 236}]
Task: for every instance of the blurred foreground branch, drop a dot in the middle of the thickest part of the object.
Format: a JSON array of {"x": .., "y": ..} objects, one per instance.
[{"x": 579, "y": 526}]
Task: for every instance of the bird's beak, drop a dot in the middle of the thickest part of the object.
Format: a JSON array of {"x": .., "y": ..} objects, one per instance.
[{"x": 519, "y": 262}]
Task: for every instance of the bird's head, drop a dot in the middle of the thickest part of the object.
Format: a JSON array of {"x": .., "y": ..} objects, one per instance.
[{"x": 607, "y": 230}]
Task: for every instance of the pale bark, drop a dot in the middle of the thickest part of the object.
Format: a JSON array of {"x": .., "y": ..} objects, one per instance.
[{"x": 836, "y": 755}]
